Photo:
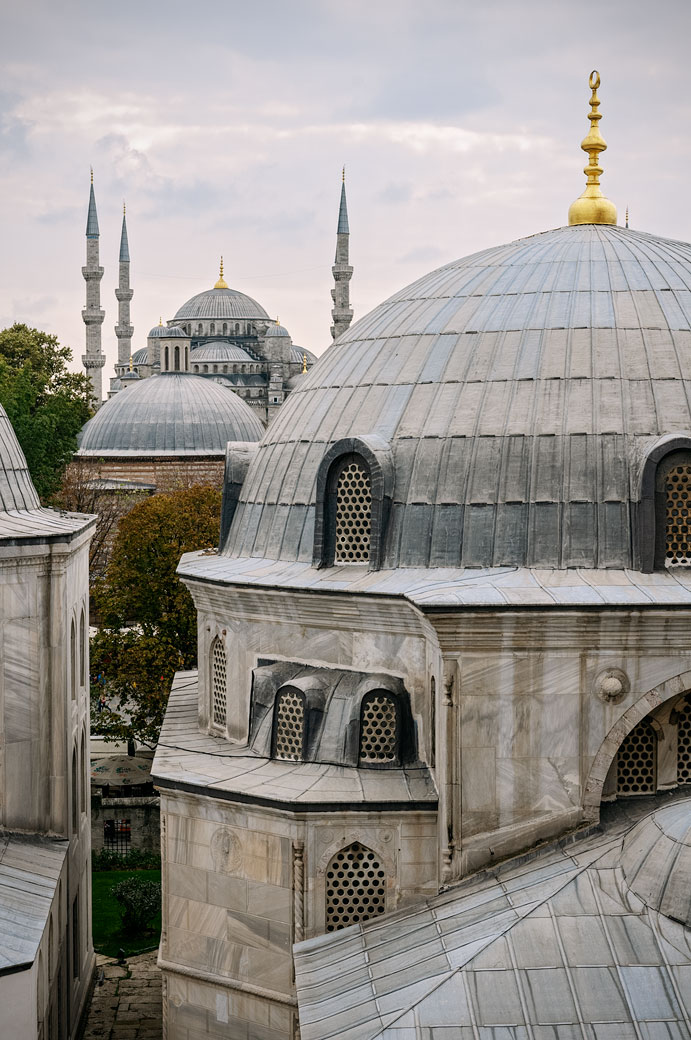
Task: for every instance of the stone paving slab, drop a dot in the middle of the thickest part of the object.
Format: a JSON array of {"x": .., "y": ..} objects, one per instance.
[{"x": 126, "y": 1004}]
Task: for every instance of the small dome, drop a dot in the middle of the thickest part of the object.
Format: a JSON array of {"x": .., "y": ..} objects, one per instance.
[
  {"x": 174, "y": 414},
  {"x": 16, "y": 488},
  {"x": 167, "y": 332},
  {"x": 275, "y": 329},
  {"x": 129, "y": 377},
  {"x": 657, "y": 861},
  {"x": 219, "y": 350},
  {"x": 221, "y": 303},
  {"x": 296, "y": 355},
  {"x": 140, "y": 357}
]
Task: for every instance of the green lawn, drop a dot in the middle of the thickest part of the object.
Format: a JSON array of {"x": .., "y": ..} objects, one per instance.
[{"x": 108, "y": 938}]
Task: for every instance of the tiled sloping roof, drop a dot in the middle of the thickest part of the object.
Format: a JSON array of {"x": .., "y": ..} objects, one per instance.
[{"x": 555, "y": 947}]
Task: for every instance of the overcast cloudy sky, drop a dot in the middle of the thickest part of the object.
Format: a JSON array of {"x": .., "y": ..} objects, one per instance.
[{"x": 225, "y": 126}]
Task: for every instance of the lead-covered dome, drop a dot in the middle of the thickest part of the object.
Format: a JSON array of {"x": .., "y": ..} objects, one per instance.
[
  {"x": 656, "y": 861},
  {"x": 170, "y": 414},
  {"x": 517, "y": 391},
  {"x": 219, "y": 350},
  {"x": 221, "y": 303}
]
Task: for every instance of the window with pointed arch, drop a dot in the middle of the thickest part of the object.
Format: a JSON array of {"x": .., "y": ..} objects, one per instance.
[
  {"x": 355, "y": 887},
  {"x": 73, "y": 659},
  {"x": 75, "y": 791},
  {"x": 83, "y": 649},
  {"x": 212, "y": 329},
  {"x": 225, "y": 328},
  {"x": 219, "y": 694},
  {"x": 380, "y": 726},
  {"x": 82, "y": 775},
  {"x": 684, "y": 742},
  {"x": 166, "y": 362},
  {"x": 289, "y": 735},
  {"x": 351, "y": 491},
  {"x": 637, "y": 761},
  {"x": 673, "y": 509}
]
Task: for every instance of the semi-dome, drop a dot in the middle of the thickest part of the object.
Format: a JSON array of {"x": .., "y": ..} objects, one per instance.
[
  {"x": 656, "y": 861},
  {"x": 219, "y": 350},
  {"x": 516, "y": 393},
  {"x": 221, "y": 304},
  {"x": 167, "y": 332},
  {"x": 173, "y": 414}
]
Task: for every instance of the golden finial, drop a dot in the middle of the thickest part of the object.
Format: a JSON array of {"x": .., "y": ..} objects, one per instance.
[
  {"x": 124, "y": 208},
  {"x": 627, "y": 216},
  {"x": 344, "y": 174},
  {"x": 92, "y": 174},
  {"x": 221, "y": 283},
  {"x": 592, "y": 207},
  {"x": 131, "y": 363},
  {"x": 160, "y": 321},
  {"x": 277, "y": 321},
  {"x": 304, "y": 363}
]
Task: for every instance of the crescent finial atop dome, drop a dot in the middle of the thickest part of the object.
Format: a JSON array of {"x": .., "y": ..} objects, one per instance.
[
  {"x": 592, "y": 207},
  {"x": 221, "y": 283}
]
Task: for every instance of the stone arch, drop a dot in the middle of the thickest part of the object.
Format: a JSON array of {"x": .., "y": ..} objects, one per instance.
[{"x": 651, "y": 700}]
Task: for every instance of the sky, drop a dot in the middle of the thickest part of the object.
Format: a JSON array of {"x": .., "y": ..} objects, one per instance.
[{"x": 225, "y": 126}]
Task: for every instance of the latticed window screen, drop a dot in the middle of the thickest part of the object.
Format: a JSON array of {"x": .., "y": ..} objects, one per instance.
[
  {"x": 355, "y": 887},
  {"x": 289, "y": 726},
  {"x": 378, "y": 729},
  {"x": 353, "y": 514},
  {"x": 684, "y": 746},
  {"x": 678, "y": 515},
  {"x": 117, "y": 835},
  {"x": 636, "y": 761},
  {"x": 218, "y": 682}
]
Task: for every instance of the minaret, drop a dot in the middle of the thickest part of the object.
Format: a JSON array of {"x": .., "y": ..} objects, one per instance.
[
  {"x": 92, "y": 314},
  {"x": 123, "y": 294},
  {"x": 342, "y": 312}
]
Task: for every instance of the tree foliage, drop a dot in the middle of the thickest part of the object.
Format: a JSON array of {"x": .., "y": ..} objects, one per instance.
[
  {"x": 148, "y": 621},
  {"x": 46, "y": 404}
]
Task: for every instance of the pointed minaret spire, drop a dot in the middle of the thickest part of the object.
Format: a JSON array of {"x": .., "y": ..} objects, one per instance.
[
  {"x": 342, "y": 312},
  {"x": 93, "y": 360},
  {"x": 123, "y": 294}
]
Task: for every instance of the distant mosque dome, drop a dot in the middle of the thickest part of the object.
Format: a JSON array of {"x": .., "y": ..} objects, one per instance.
[
  {"x": 298, "y": 354},
  {"x": 173, "y": 414},
  {"x": 219, "y": 350},
  {"x": 141, "y": 356},
  {"x": 275, "y": 329},
  {"x": 167, "y": 332},
  {"x": 221, "y": 304}
]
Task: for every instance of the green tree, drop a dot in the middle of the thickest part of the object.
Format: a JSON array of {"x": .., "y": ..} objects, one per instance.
[
  {"x": 46, "y": 404},
  {"x": 148, "y": 621}
]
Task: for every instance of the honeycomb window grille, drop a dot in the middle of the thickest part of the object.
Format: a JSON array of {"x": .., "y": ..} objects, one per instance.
[
  {"x": 353, "y": 514},
  {"x": 355, "y": 887},
  {"x": 684, "y": 745},
  {"x": 218, "y": 682},
  {"x": 678, "y": 515},
  {"x": 636, "y": 761},
  {"x": 289, "y": 726},
  {"x": 379, "y": 736}
]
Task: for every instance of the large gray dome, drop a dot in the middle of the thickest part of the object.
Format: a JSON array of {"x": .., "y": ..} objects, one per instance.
[
  {"x": 171, "y": 414},
  {"x": 221, "y": 303},
  {"x": 519, "y": 390}
]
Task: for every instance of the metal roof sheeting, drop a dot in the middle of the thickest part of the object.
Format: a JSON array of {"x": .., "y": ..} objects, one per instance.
[
  {"x": 175, "y": 414},
  {"x": 30, "y": 867},
  {"x": 17, "y": 491},
  {"x": 520, "y": 389},
  {"x": 221, "y": 303}
]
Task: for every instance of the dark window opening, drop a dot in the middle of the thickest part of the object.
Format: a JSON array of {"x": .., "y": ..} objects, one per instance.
[
  {"x": 289, "y": 726},
  {"x": 379, "y": 729},
  {"x": 117, "y": 835}
]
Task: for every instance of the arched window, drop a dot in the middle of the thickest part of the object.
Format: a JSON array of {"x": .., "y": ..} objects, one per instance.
[
  {"x": 206, "y": 368},
  {"x": 215, "y": 368},
  {"x": 83, "y": 649},
  {"x": 177, "y": 358},
  {"x": 196, "y": 368},
  {"x": 289, "y": 725},
  {"x": 218, "y": 682},
  {"x": 355, "y": 887},
  {"x": 353, "y": 519},
  {"x": 75, "y": 791},
  {"x": 83, "y": 773},
  {"x": 225, "y": 368},
  {"x": 237, "y": 328},
  {"x": 673, "y": 501},
  {"x": 225, "y": 328},
  {"x": 166, "y": 364},
  {"x": 637, "y": 761},
  {"x": 73, "y": 659},
  {"x": 684, "y": 744},
  {"x": 379, "y": 729},
  {"x": 200, "y": 329},
  {"x": 212, "y": 328}
]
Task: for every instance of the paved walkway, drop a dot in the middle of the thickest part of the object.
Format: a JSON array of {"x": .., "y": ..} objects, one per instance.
[{"x": 127, "y": 1004}]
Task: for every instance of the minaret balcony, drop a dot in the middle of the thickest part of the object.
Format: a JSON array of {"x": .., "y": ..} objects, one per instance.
[
  {"x": 93, "y": 360},
  {"x": 91, "y": 274},
  {"x": 124, "y": 331},
  {"x": 93, "y": 317},
  {"x": 124, "y": 295}
]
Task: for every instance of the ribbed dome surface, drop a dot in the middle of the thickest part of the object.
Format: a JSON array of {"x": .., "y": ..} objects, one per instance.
[
  {"x": 657, "y": 861},
  {"x": 275, "y": 329},
  {"x": 171, "y": 414},
  {"x": 519, "y": 389},
  {"x": 219, "y": 350},
  {"x": 167, "y": 332},
  {"x": 221, "y": 303},
  {"x": 16, "y": 488},
  {"x": 141, "y": 356},
  {"x": 297, "y": 353}
]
